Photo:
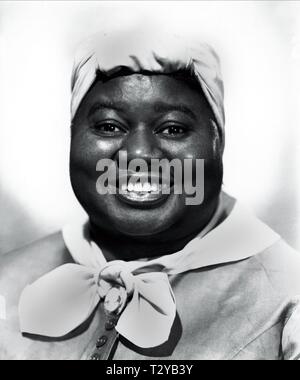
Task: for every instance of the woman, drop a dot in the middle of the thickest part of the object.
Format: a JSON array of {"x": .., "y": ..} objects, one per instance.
[{"x": 150, "y": 274}]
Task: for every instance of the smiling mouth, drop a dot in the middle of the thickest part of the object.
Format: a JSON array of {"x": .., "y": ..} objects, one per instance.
[{"x": 140, "y": 190}]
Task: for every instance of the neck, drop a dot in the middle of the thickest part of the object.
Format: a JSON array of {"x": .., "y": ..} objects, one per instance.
[{"x": 121, "y": 247}]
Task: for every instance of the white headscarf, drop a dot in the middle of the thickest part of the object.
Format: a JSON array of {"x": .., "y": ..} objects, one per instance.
[{"x": 151, "y": 51}]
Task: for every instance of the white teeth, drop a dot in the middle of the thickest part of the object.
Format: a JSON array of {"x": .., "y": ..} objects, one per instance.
[
  {"x": 140, "y": 187},
  {"x": 147, "y": 186}
]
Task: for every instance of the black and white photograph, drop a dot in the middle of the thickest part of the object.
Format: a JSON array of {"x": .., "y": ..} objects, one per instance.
[{"x": 149, "y": 182}]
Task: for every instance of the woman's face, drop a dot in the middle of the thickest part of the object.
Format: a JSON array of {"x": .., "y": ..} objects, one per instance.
[{"x": 147, "y": 117}]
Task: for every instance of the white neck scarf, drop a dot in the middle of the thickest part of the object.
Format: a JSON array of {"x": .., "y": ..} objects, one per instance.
[{"x": 139, "y": 291}]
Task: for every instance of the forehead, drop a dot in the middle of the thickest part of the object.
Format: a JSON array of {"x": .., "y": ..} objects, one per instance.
[{"x": 139, "y": 90}]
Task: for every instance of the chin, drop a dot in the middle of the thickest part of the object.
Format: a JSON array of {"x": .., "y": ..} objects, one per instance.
[
  {"x": 145, "y": 229},
  {"x": 143, "y": 224},
  {"x": 122, "y": 218}
]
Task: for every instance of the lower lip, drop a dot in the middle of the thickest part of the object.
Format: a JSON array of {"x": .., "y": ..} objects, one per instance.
[{"x": 143, "y": 199}]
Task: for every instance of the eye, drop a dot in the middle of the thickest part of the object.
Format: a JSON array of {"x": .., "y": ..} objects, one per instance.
[
  {"x": 173, "y": 130},
  {"x": 109, "y": 128}
]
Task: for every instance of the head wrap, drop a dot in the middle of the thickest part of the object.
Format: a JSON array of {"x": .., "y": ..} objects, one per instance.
[{"x": 148, "y": 51}]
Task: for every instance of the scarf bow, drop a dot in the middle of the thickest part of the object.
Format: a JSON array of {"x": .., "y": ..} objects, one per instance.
[
  {"x": 138, "y": 291},
  {"x": 145, "y": 319}
]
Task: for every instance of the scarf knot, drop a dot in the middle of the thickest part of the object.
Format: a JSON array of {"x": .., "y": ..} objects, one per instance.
[{"x": 116, "y": 286}]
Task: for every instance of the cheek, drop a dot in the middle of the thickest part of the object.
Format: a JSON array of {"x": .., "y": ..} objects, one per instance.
[
  {"x": 87, "y": 149},
  {"x": 197, "y": 145},
  {"x": 84, "y": 155},
  {"x": 204, "y": 146},
  {"x": 83, "y": 159},
  {"x": 207, "y": 148}
]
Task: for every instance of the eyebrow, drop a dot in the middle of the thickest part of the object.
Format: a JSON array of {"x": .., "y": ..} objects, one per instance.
[
  {"x": 104, "y": 105},
  {"x": 166, "y": 107},
  {"x": 160, "y": 107}
]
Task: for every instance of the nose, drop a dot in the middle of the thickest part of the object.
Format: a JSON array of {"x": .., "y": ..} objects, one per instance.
[{"x": 141, "y": 143}]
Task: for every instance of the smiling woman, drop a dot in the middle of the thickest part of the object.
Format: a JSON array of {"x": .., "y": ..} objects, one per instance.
[
  {"x": 142, "y": 122},
  {"x": 149, "y": 274}
]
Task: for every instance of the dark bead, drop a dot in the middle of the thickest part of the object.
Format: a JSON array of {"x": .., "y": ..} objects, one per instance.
[
  {"x": 109, "y": 325},
  {"x": 101, "y": 341},
  {"x": 96, "y": 357}
]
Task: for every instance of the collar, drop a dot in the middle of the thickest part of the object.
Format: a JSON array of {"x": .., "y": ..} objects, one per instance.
[
  {"x": 137, "y": 291},
  {"x": 234, "y": 233}
]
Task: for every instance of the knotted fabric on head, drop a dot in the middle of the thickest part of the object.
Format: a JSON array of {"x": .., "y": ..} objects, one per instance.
[{"x": 147, "y": 51}]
